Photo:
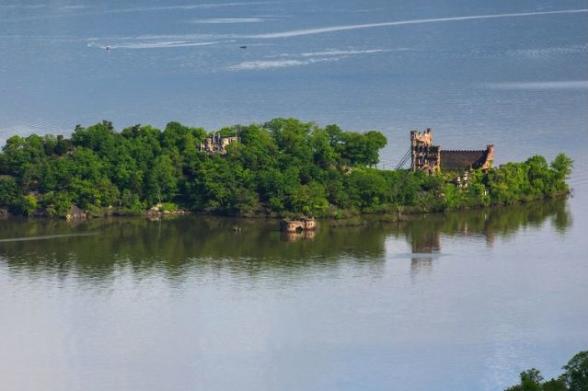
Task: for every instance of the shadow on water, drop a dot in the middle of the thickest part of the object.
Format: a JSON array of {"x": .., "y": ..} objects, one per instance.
[{"x": 98, "y": 248}]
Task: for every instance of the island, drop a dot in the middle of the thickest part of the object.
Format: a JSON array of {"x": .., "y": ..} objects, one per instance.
[{"x": 282, "y": 168}]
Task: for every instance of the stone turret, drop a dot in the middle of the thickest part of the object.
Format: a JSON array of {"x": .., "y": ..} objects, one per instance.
[{"x": 424, "y": 155}]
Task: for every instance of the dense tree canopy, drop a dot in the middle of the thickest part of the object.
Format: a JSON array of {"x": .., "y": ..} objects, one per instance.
[
  {"x": 282, "y": 167},
  {"x": 575, "y": 377}
]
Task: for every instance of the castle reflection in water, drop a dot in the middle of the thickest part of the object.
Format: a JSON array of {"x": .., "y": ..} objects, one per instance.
[{"x": 99, "y": 248}]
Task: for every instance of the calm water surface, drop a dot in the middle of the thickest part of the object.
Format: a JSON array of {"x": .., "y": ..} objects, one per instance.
[
  {"x": 190, "y": 304},
  {"x": 457, "y": 302}
]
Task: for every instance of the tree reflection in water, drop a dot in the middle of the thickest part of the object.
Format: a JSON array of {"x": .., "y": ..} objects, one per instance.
[{"x": 198, "y": 243}]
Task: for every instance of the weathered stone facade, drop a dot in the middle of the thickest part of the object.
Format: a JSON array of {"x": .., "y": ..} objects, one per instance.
[
  {"x": 432, "y": 159},
  {"x": 424, "y": 155},
  {"x": 217, "y": 144},
  {"x": 306, "y": 224}
]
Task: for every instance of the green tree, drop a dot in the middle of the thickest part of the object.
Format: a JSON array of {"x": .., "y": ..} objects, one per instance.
[
  {"x": 309, "y": 199},
  {"x": 530, "y": 381},
  {"x": 576, "y": 372},
  {"x": 575, "y": 377},
  {"x": 554, "y": 385},
  {"x": 8, "y": 190},
  {"x": 162, "y": 181},
  {"x": 28, "y": 204},
  {"x": 57, "y": 204},
  {"x": 562, "y": 164},
  {"x": 367, "y": 188},
  {"x": 285, "y": 166}
]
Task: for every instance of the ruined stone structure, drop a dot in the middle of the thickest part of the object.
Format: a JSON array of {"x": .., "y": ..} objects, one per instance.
[
  {"x": 306, "y": 224},
  {"x": 424, "y": 155},
  {"x": 217, "y": 143},
  {"x": 431, "y": 158},
  {"x": 75, "y": 213}
]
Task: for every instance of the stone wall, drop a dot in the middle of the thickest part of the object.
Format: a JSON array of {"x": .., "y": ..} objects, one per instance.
[
  {"x": 431, "y": 158},
  {"x": 424, "y": 155},
  {"x": 298, "y": 225},
  {"x": 217, "y": 144}
]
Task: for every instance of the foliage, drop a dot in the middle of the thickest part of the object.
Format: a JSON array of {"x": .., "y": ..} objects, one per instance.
[
  {"x": 28, "y": 204},
  {"x": 282, "y": 167},
  {"x": 8, "y": 190},
  {"x": 576, "y": 372},
  {"x": 575, "y": 377},
  {"x": 530, "y": 180},
  {"x": 168, "y": 207}
]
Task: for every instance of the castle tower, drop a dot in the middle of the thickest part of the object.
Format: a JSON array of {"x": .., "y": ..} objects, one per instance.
[{"x": 424, "y": 155}]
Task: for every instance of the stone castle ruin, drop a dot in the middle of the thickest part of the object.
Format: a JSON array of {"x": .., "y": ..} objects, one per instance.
[
  {"x": 217, "y": 144},
  {"x": 432, "y": 159}
]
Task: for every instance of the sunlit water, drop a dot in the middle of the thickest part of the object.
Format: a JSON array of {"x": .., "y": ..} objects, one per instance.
[{"x": 458, "y": 302}]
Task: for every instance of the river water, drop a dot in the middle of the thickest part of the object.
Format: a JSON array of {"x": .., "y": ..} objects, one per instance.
[
  {"x": 463, "y": 301},
  {"x": 458, "y": 301}
]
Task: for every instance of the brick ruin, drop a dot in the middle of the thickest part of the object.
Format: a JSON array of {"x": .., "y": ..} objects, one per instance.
[{"x": 432, "y": 159}]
